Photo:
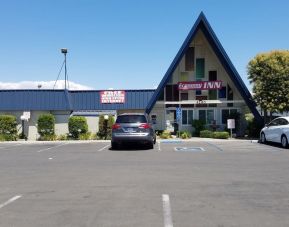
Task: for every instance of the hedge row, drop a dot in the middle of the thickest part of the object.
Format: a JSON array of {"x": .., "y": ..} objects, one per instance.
[{"x": 215, "y": 135}]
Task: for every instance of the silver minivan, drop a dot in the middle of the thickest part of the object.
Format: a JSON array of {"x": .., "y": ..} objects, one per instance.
[{"x": 132, "y": 128}]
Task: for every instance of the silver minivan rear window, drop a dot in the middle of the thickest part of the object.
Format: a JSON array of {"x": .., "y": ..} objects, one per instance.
[{"x": 131, "y": 119}]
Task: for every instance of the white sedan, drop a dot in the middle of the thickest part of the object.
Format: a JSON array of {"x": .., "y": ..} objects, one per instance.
[{"x": 276, "y": 131}]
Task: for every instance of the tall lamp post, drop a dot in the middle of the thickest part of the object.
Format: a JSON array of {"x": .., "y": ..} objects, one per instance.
[{"x": 64, "y": 51}]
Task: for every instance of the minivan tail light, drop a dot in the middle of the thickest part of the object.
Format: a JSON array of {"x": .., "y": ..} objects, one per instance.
[
  {"x": 115, "y": 126},
  {"x": 145, "y": 126}
]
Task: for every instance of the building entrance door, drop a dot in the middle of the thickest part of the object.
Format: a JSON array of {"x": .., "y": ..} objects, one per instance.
[{"x": 171, "y": 122}]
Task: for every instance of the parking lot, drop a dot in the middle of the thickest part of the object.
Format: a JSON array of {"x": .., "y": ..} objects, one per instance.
[{"x": 180, "y": 183}]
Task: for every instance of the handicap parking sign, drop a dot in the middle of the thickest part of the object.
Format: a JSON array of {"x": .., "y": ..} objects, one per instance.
[{"x": 179, "y": 114}]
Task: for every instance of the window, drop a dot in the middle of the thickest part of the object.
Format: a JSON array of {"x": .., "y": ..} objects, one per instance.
[
  {"x": 278, "y": 121},
  {"x": 169, "y": 93},
  {"x": 184, "y": 96},
  {"x": 283, "y": 121},
  {"x": 131, "y": 119},
  {"x": 200, "y": 68},
  {"x": 212, "y": 96},
  {"x": 274, "y": 123},
  {"x": 184, "y": 76},
  {"x": 172, "y": 93},
  {"x": 189, "y": 59},
  {"x": 187, "y": 117},
  {"x": 202, "y": 115},
  {"x": 184, "y": 117},
  {"x": 198, "y": 92},
  {"x": 223, "y": 93},
  {"x": 212, "y": 75},
  {"x": 226, "y": 113},
  {"x": 208, "y": 116},
  {"x": 154, "y": 119},
  {"x": 230, "y": 95}
]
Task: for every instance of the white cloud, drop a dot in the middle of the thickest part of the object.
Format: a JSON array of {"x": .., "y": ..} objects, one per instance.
[{"x": 44, "y": 85}]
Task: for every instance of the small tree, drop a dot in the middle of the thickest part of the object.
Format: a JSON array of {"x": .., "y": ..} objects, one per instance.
[
  {"x": 8, "y": 127},
  {"x": 269, "y": 73},
  {"x": 46, "y": 127},
  {"x": 77, "y": 125},
  {"x": 104, "y": 132},
  {"x": 198, "y": 125}
]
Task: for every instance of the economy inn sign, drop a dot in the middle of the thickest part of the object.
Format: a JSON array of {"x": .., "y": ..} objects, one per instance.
[{"x": 200, "y": 85}]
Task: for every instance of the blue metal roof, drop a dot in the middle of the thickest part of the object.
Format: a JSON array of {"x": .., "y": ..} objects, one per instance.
[
  {"x": 203, "y": 24},
  {"x": 68, "y": 100},
  {"x": 33, "y": 100}
]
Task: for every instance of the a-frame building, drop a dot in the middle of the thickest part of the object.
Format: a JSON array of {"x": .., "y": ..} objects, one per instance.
[{"x": 203, "y": 82}]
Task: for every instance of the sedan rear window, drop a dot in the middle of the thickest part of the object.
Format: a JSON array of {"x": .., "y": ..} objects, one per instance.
[{"x": 131, "y": 119}]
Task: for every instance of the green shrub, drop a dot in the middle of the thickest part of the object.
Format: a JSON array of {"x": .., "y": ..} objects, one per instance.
[
  {"x": 46, "y": 127},
  {"x": 62, "y": 137},
  {"x": 158, "y": 132},
  {"x": 47, "y": 138},
  {"x": 199, "y": 125},
  {"x": 77, "y": 125},
  {"x": 8, "y": 127},
  {"x": 165, "y": 135},
  {"x": 220, "y": 135},
  {"x": 105, "y": 129},
  {"x": 206, "y": 134},
  {"x": 253, "y": 127},
  {"x": 185, "y": 135},
  {"x": 85, "y": 136},
  {"x": 2, "y": 138}
]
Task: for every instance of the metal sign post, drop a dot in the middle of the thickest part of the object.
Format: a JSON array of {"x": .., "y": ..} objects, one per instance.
[
  {"x": 179, "y": 118},
  {"x": 231, "y": 125}
]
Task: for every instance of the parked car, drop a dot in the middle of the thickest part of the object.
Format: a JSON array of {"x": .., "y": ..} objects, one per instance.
[
  {"x": 132, "y": 128},
  {"x": 276, "y": 131}
]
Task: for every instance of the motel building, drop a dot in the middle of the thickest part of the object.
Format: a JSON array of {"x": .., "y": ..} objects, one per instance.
[{"x": 201, "y": 83}]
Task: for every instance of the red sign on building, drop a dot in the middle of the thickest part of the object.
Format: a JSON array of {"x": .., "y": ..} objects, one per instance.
[
  {"x": 200, "y": 85},
  {"x": 112, "y": 97}
]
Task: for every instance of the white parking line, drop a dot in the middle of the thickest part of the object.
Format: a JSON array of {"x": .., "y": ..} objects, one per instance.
[
  {"x": 10, "y": 201},
  {"x": 52, "y": 147},
  {"x": 159, "y": 143},
  {"x": 101, "y": 149},
  {"x": 167, "y": 211}
]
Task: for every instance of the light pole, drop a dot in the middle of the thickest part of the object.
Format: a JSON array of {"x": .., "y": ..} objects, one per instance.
[{"x": 64, "y": 51}]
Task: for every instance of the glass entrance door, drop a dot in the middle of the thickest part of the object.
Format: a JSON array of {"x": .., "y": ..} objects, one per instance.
[{"x": 170, "y": 120}]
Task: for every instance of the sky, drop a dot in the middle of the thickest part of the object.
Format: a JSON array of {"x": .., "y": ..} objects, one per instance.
[{"x": 126, "y": 44}]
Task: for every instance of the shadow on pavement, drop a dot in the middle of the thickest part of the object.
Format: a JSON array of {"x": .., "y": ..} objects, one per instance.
[{"x": 131, "y": 147}]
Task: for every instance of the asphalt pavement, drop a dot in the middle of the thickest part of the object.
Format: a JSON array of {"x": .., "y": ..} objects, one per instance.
[{"x": 178, "y": 183}]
